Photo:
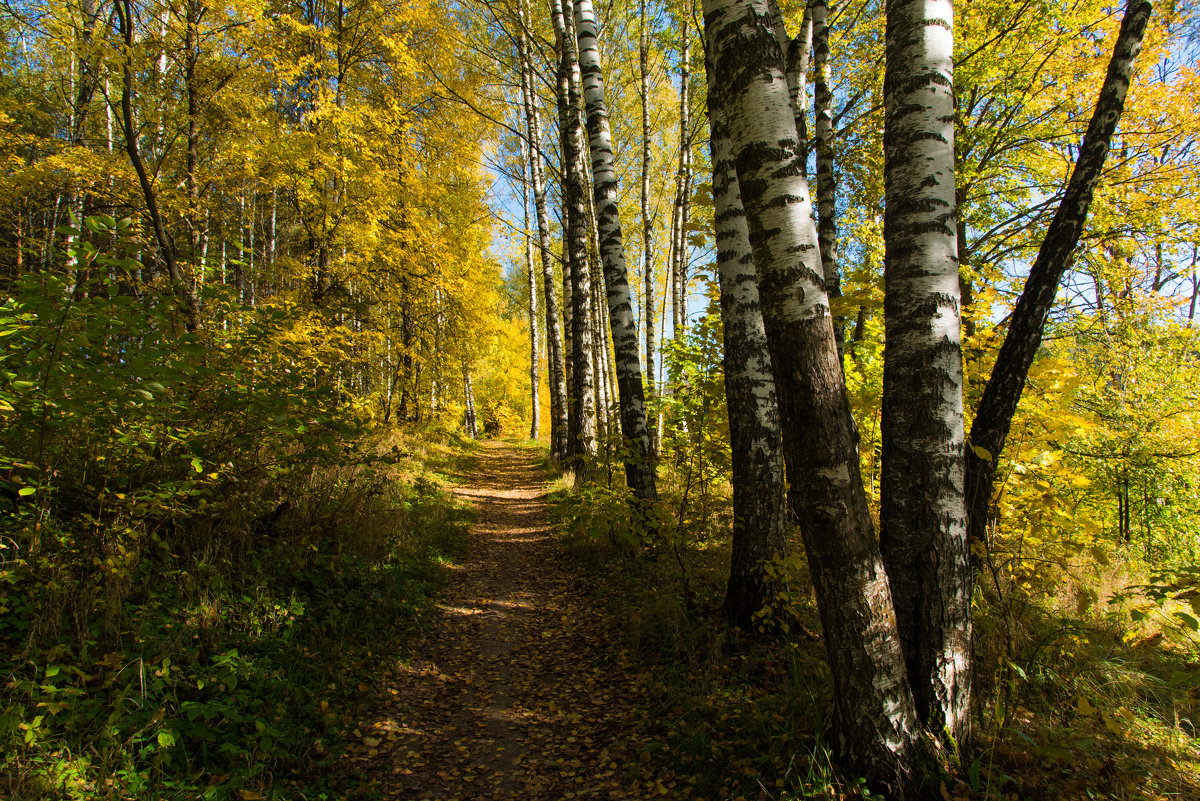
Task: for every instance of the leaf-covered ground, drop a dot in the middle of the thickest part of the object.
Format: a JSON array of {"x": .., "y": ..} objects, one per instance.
[{"x": 519, "y": 690}]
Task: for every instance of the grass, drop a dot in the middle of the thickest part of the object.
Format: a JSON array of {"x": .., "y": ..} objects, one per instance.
[
  {"x": 1083, "y": 707},
  {"x": 734, "y": 716},
  {"x": 230, "y": 670}
]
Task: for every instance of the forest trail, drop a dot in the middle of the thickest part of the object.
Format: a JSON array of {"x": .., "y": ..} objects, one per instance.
[{"x": 517, "y": 691}]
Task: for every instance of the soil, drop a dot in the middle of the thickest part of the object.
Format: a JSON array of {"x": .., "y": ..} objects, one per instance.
[{"x": 518, "y": 690}]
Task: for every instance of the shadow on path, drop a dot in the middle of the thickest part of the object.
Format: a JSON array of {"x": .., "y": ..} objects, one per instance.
[{"x": 517, "y": 692}]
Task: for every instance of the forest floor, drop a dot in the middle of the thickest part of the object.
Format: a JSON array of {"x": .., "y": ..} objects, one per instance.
[{"x": 518, "y": 690}]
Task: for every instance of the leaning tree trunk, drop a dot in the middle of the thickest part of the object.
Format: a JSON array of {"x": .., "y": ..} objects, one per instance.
[
  {"x": 162, "y": 237},
  {"x": 639, "y": 469},
  {"x": 582, "y": 411},
  {"x": 923, "y": 525},
  {"x": 760, "y": 521},
  {"x": 554, "y": 338},
  {"x": 797, "y": 51},
  {"x": 994, "y": 415},
  {"x": 876, "y": 728}
]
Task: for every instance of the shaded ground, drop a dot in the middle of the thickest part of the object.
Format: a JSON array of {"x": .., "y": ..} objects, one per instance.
[{"x": 517, "y": 692}]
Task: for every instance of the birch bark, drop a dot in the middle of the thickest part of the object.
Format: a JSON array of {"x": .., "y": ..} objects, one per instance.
[
  {"x": 647, "y": 220},
  {"x": 923, "y": 513},
  {"x": 823, "y": 144},
  {"x": 553, "y": 340},
  {"x": 582, "y": 409},
  {"x": 639, "y": 470},
  {"x": 683, "y": 189},
  {"x": 876, "y": 728},
  {"x": 534, "y": 405},
  {"x": 760, "y": 520}
]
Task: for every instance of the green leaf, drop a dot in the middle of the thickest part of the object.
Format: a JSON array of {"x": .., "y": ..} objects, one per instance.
[
  {"x": 166, "y": 739},
  {"x": 1188, "y": 621},
  {"x": 144, "y": 394},
  {"x": 197, "y": 465},
  {"x": 26, "y": 491}
]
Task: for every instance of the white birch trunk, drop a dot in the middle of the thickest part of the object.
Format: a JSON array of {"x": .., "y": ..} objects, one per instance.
[
  {"x": 647, "y": 220},
  {"x": 582, "y": 410},
  {"x": 923, "y": 532},
  {"x": 823, "y": 142},
  {"x": 554, "y": 332},
  {"x": 876, "y": 728},
  {"x": 639, "y": 471},
  {"x": 534, "y": 401},
  {"x": 760, "y": 518}
]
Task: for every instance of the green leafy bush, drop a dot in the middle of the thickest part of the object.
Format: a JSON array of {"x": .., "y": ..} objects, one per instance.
[{"x": 200, "y": 560}]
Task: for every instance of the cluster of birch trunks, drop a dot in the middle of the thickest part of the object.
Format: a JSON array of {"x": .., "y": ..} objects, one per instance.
[{"x": 895, "y": 609}]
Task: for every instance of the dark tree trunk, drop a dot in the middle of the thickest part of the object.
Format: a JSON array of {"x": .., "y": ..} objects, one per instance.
[{"x": 996, "y": 408}]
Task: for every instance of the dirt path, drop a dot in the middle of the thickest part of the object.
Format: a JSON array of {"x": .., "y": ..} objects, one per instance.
[{"x": 517, "y": 692}]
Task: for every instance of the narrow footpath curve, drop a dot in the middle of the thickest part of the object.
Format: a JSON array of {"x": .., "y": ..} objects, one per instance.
[{"x": 517, "y": 692}]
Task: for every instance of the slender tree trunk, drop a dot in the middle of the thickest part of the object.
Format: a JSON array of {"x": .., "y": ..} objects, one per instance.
[
  {"x": 826, "y": 181},
  {"x": 760, "y": 520},
  {"x": 647, "y": 221},
  {"x": 994, "y": 415},
  {"x": 83, "y": 87},
  {"x": 554, "y": 341},
  {"x": 596, "y": 328},
  {"x": 923, "y": 530},
  {"x": 680, "y": 266},
  {"x": 162, "y": 237},
  {"x": 670, "y": 297},
  {"x": 582, "y": 412},
  {"x": 470, "y": 422},
  {"x": 639, "y": 470},
  {"x": 798, "y": 53},
  {"x": 876, "y": 731},
  {"x": 193, "y": 14},
  {"x": 534, "y": 403}
]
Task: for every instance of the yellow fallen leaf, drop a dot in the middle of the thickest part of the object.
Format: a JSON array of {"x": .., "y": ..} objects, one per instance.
[{"x": 1085, "y": 708}]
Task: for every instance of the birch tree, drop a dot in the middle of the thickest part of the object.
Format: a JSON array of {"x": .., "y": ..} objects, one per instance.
[
  {"x": 820, "y": 12},
  {"x": 760, "y": 520},
  {"x": 639, "y": 469},
  {"x": 647, "y": 220},
  {"x": 581, "y": 412},
  {"x": 556, "y": 369},
  {"x": 876, "y": 726},
  {"x": 923, "y": 515},
  {"x": 534, "y": 389},
  {"x": 993, "y": 417}
]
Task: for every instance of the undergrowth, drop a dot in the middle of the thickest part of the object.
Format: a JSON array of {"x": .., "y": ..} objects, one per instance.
[
  {"x": 1070, "y": 704},
  {"x": 205, "y": 546},
  {"x": 235, "y": 668},
  {"x": 736, "y": 717}
]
